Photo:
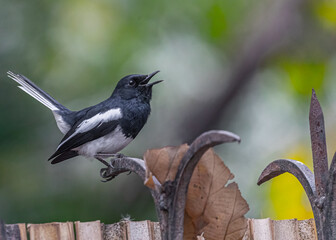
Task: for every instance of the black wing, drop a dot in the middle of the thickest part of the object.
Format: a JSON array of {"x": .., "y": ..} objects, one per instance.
[
  {"x": 64, "y": 156},
  {"x": 75, "y": 139}
]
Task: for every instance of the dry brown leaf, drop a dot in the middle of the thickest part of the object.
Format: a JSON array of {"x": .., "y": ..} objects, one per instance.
[
  {"x": 149, "y": 181},
  {"x": 163, "y": 163},
  {"x": 213, "y": 208}
]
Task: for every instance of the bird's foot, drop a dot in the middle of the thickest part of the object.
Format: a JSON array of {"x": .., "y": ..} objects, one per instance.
[{"x": 108, "y": 172}]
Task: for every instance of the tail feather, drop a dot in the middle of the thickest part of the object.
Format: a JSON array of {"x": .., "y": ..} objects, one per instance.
[{"x": 33, "y": 90}]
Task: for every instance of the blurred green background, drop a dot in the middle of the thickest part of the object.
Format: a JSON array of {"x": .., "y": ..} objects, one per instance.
[{"x": 243, "y": 66}]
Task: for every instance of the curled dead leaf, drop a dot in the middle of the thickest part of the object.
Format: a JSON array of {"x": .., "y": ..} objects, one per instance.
[
  {"x": 149, "y": 181},
  {"x": 213, "y": 207},
  {"x": 163, "y": 163}
]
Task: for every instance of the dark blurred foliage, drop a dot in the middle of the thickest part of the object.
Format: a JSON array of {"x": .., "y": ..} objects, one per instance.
[{"x": 242, "y": 66}]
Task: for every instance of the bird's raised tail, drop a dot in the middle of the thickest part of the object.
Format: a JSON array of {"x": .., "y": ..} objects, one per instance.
[{"x": 29, "y": 87}]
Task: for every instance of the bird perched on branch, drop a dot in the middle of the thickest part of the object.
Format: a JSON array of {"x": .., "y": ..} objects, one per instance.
[{"x": 101, "y": 130}]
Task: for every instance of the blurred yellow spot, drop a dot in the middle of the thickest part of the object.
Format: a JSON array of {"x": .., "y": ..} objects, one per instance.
[
  {"x": 305, "y": 75},
  {"x": 326, "y": 13},
  {"x": 288, "y": 198}
]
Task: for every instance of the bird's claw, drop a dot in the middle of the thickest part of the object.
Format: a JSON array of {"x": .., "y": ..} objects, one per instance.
[{"x": 107, "y": 173}]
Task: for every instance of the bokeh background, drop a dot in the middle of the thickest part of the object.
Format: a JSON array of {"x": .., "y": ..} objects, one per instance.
[{"x": 243, "y": 66}]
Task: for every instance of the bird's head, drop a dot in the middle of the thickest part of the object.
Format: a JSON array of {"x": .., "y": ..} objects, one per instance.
[{"x": 135, "y": 86}]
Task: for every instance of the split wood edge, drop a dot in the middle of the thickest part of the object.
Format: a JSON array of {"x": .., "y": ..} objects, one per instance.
[{"x": 261, "y": 229}]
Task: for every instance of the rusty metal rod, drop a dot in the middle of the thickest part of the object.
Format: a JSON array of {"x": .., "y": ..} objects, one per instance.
[
  {"x": 186, "y": 168},
  {"x": 320, "y": 187},
  {"x": 319, "y": 146}
]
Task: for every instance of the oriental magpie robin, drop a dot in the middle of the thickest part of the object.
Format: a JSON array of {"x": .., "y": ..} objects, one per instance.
[{"x": 102, "y": 129}]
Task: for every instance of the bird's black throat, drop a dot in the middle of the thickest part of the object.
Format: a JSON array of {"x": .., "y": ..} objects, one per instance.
[{"x": 135, "y": 115}]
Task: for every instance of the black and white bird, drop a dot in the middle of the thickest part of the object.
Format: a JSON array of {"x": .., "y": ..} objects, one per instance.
[{"x": 102, "y": 129}]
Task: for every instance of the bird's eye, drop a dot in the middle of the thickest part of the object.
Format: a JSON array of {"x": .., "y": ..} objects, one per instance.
[{"x": 131, "y": 83}]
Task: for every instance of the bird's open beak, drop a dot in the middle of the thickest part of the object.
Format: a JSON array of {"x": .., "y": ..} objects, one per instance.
[
  {"x": 148, "y": 78},
  {"x": 153, "y": 83}
]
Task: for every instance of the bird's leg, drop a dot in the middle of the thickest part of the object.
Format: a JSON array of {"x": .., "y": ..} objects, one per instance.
[
  {"x": 102, "y": 161},
  {"x": 110, "y": 155},
  {"x": 107, "y": 173}
]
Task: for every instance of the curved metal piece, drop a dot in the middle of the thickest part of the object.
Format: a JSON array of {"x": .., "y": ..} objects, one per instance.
[
  {"x": 296, "y": 168},
  {"x": 320, "y": 187},
  {"x": 124, "y": 164},
  {"x": 305, "y": 177},
  {"x": 186, "y": 168}
]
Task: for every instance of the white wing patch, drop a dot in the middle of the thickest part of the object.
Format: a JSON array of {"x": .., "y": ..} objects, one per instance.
[{"x": 96, "y": 120}]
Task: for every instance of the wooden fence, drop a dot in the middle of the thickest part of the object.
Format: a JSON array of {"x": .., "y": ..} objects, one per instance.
[
  {"x": 267, "y": 229},
  {"x": 258, "y": 229}
]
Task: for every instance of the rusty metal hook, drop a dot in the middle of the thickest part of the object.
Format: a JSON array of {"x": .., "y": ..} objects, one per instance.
[
  {"x": 320, "y": 186},
  {"x": 186, "y": 168}
]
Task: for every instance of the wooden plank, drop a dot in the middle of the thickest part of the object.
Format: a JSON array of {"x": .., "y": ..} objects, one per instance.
[
  {"x": 139, "y": 230},
  {"x": 262, "y": 229},
  {"x": 258, "y": 229},
  {"x": 51, "y": 231},
  {"x": 156, "y": 231},
  {"x": 66, "y": 231},
  {"x": 248, "y": 233},
  {"x": 16, "y": 231},
  {"x": 307, "y": 230},
  {"x": 285, "y": 229},
  {"x": 116, "y": 231},
  {"x": 88, "y": 230}
]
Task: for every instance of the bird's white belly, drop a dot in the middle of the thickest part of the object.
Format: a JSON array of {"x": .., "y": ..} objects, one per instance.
[{"x": 110, "y": 143}]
